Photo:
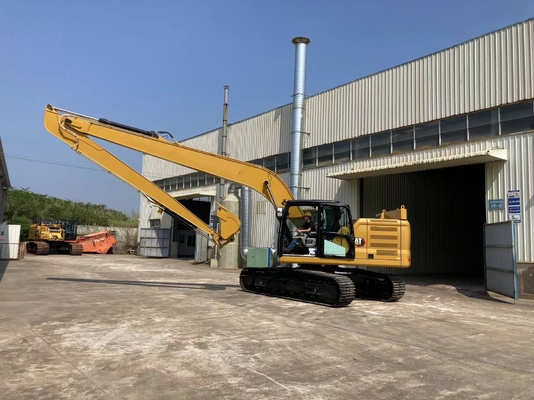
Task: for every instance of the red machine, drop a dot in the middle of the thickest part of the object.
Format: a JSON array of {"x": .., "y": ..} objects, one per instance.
[{"x": 99, "y": 242}]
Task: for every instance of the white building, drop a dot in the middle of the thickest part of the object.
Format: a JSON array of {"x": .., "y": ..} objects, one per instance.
[{"x": 447, "y": 135}]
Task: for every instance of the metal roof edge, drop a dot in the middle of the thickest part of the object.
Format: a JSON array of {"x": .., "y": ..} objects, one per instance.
[
  {"x": 434, "y": 160},
  {"x": 3, "y": 165}
]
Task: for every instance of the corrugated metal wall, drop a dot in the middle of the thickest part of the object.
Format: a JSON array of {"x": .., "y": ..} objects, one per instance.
[
  {"x": 485, "y": 72},
  {"x": 517, "y": 173},
  {"x": 488, "y": 71},
  {"x": 446, "y": 212},
  {"x": 261, "y": 136}
]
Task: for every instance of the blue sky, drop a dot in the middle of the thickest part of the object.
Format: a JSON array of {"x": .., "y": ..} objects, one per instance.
[{"x": 162, "y": 65}]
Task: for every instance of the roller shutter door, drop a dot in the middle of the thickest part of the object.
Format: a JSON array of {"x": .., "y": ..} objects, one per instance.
[{"x": 446, "y": 210}]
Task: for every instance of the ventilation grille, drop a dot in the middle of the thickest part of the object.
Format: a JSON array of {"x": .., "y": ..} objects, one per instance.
[{"x": 384, "y": 239}]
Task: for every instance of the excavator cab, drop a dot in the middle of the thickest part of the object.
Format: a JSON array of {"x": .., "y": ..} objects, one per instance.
[
  {"x": 71, "y": 229},
  {"x": 331, "y": 235}
]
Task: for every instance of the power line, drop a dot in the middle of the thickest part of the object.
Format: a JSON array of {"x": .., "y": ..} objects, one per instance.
[
  {"x": 42, "y": 161},
  {"x": 239, "y": 108},
  {"x": 217, "y": 121},
  {"x": 51, "y": 162}
]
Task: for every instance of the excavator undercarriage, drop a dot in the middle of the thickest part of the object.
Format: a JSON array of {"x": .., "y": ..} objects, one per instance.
[
  {"x": 326, "y": 285},
  {"x": 42, "y": 248},
  {"x": 316, "y": 287}
]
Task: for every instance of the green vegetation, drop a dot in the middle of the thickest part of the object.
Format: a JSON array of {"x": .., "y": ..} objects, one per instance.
[{"x": 23, "y": 206}]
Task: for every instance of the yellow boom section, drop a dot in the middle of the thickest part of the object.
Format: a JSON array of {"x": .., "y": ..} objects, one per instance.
[
  {"x": 261, "y": 179},
  {"x": 82, "y": 144}
]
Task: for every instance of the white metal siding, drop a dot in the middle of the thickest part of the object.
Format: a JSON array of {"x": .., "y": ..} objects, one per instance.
[
  {"x": 9, "y": 243},
  {"x": 517, "y": 173},
  {"x": 144, "y": 215},
  {"x": 261, "y": 136},
  {"x": 263, "y": 222},
  {"x": 488, "y": 71},
  {"x": 485, "y": 72}
]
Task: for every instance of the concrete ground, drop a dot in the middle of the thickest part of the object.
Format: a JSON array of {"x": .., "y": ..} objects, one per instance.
[{"x": 101, "y": 327}]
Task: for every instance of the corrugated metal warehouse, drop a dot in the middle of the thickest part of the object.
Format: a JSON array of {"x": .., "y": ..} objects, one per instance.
[{"x": 447, "y": 135}]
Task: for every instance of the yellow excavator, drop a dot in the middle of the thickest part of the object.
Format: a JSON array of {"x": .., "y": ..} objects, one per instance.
[
  {"x": 54, "y": 237},
  {"x": 330, "y": 260}
]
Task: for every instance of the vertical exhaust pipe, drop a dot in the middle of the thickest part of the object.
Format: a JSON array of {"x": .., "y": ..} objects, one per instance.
[{"x": 295, "y": 185}]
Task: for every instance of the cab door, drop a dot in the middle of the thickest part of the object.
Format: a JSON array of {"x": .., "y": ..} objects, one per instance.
[{"x": 336, "y": 236}]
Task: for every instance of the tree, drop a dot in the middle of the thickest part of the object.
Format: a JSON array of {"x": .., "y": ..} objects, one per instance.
[{"x": 24, "y": 206}]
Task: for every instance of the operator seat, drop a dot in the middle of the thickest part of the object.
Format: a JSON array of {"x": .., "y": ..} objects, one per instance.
[{"x": 342, "y": 241}]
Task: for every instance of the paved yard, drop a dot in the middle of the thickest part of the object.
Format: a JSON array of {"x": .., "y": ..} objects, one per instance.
[{"x": 100, "y": 327}]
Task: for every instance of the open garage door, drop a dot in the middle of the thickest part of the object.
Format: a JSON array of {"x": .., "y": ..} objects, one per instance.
[
  {"x": 500, "y": 259},
  {"x": 446, "y": 210},
  {"x": 187, "y": 243}
]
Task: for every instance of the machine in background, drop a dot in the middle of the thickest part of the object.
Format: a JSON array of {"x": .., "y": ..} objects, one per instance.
[
  {"x": 54, "y": 237},
  {"x": 99, "y": 242}
]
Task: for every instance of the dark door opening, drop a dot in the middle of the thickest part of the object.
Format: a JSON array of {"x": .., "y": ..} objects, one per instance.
[
  {"x": 446, "y": 211},
  {"x": 183, "y": 234}
]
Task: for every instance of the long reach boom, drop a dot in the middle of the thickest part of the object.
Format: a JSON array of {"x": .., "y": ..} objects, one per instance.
[
  {"x": 60, "y": 122},
  {"x": 75, "y": 130}
]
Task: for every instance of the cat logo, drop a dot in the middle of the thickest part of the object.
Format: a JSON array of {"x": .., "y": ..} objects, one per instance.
[{"x": 359, "y": 242}]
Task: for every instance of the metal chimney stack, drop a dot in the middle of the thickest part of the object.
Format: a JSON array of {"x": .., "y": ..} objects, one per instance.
[{"x": 295, "y": 184}]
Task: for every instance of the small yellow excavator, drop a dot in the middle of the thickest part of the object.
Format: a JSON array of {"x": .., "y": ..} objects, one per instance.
[
  {"x": 328, "y": 262},
  {"x": 53, "y": 237}
]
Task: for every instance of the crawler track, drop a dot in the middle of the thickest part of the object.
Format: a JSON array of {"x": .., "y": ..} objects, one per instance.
[
  {"x": 42, "y": 248},
  {"x": 38, "y": 248},
  {"x": 317, "y": 284},
  {"x": 316, "y": 287},
  {"x": 75, "y": 249},
  {"x": 376, "y": 286}
]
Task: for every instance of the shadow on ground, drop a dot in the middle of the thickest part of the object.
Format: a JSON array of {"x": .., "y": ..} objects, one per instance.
[
  {"x": 473, "y": 287},
  {"x": 3, "y": 267},
  {"x": 173, "y": 285}
]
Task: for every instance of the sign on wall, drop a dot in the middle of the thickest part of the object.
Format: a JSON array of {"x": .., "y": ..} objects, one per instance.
[
  {"x": 514, "y": 205},
  {"x": 496, "y": 204}
]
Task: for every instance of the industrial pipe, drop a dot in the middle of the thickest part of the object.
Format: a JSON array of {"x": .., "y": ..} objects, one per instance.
[{"x": 295, "y": 184}]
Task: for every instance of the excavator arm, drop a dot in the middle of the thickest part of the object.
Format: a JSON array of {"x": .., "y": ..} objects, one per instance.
[
  {"x": 62, "y": 123},
  {"x": 79, "y": 141}
]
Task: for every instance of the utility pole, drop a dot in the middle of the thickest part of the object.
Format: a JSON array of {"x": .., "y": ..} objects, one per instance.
[
  {"x": 224, "y": 133},
  {"x": 224, "y": 136}
]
